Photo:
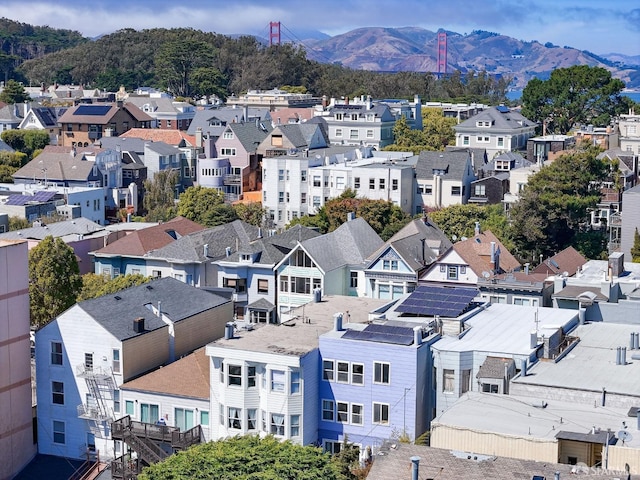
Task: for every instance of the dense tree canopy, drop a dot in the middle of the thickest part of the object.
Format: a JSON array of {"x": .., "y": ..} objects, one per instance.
[
  {"x": 437, "y": 132},
  {"x": 572, "y": 96},
  {"x": 28, "y": 142},
  {"x": 635, "y": 249},
  {"x": 205, "y": 206},
  {"x": 96, "y": 285},
  {"x": 159, "y": 197},
  {"x": 54, "y": 280},
  {"x": 253, "y": 213},
  {"x": 553, "y": 207},
  {"x": 246, "y": 458},
  {"x": 14, "y": 92}
]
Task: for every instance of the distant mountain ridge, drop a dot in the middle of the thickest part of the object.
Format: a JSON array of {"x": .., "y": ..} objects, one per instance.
[{"x": 415, "y": 49}]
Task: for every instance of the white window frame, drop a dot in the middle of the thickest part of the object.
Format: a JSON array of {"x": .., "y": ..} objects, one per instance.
[
  {"x": 326, "y": 403},
  {"x": 325, "y": 371},
  {"x": 379, "y": 371},
  {"x": 378, "y": 410}
]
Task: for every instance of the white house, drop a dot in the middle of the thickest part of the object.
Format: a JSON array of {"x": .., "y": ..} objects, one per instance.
[{"x": 443, "y": 179}]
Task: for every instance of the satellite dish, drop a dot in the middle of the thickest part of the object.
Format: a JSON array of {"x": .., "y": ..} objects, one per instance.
[
  {"x": 486, "y": 274},
  {"x": 625, "y": 436}
]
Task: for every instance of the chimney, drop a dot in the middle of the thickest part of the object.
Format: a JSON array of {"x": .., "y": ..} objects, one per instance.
[
  {"x": 325, "y": 102},
  {"x": 526, "y": 268},
  {"x": 346, "y": 100},
  {"x": 246, "y": 113},
  {"x": 493, "y": 256},
  {"x": 556, "y": 476},
  {"x": 206, "y": 250},
  {"x": 138, "y": 324},
  {"x": 259, "y": 232},
  {"x": 616, "y": 264},
  {"x": 337, "y": 322},
  {"x": 199, "y": 137},
  {"x": 227, "y": 251},
  {"x": 159, "y": 309},
  {"x": 415, "y": 467},
  {"x": 523, "y": 369},
  {"x": 477, "y": 229},
  {"x": 351, "y": 216},
  {"x": 417, "y": 336}
]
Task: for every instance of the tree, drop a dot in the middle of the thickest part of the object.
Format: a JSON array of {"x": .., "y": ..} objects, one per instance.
[
  {"x": 14, "y": 92},
  {"x": 159, "y": 196},
  {"x": 205, "y": 206},
  {"x": 177, "y": 61},
  {"x": 54, "y": 280},
  {"x": 635, "y": 249},
  {"x": 96, "y": 285},
  {"x": 207, "y": 81},
  {"x": 26, "y": 141},
  {"x": 18, "y": 223},
  {"x": 576, "y": 95},
  {"x": 437, "y": 132},
  {"x": 253, "y": 213},
  {"x": 246, "y": 458},
  {"x": 553, "y": 207}
]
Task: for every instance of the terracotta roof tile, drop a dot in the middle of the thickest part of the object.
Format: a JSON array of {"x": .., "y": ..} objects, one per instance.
[
  {"x": 476, "y": 251},
  {"x": 568, "y": 260},
  {"x": 171, "y": 137}
]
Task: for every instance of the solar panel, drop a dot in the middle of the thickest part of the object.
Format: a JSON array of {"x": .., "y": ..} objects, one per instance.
[
  {"x": 43, "y": 196},
  {"x": 503, "y": 109},
  {"x": 444, "y": 301},
  {"x": 97, "y": 110},
  {"x": 382, "y": 334},
  {"x": 19, "y": 200}
]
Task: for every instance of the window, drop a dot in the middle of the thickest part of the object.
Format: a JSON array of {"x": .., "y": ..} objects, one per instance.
[
  {"x": 356, "y": 182},
  {"x": 482, "y": 139},
  {"x": 295, "y": 425},
  {"x": 116, "y": 360},
  {"x": 343, "y": 412},
  {"x": 317, "y": 182},
  {"x": 280, "y": 197},
  {"x": 183, "y": 419},
  {"x": 327, "y": 410},
  {"x": 339, "y": 116},
  {"x": 149, "y": 413},
  {"x": 465, "y": 140},
  {"x": 343, "y": 372},
  {"x": 354, "y": 117},
  {"x": 303, "y": 198},
  {"x": 372, "y": 183},
  {"x": 389, "y": 264},
  {"x": 394, "y": 184},
  {"x": 287, "y": 197},
  {"x": 56, "y": 353},
  {"x": 116, "y": 401},
  {"x": 353, "y": 283},
  {"x": 381, "y": 184},
  {"x": 340, "y": 183},
  {"x": 295, "y": 382},
  {"x": 456, "y": 190},
  {"x": 303, "y": 175},
  {"x": 525, "y": 301},
  {"x": 501, "y": 141},
  {"x": 447, "y": 381},
  {"x": 252, "y": 419},
  {"x": 369, "y": 133},
  {"x": 281, "y": 175},
  {"x": 204, "y": 418},
  {"x": 228, "y": 152},
  {"x": 88, "y": 362},
  {"x": 489, "y": 388},
  {"x": 284, "y": 283},
  {"x": 357, "y": 373},
  {"x": 380, "y": 413},
  {"x": 326, "y": 181},
  {"x": 277, "y": 380},
  {"x": 58, "y": 432},
  {"x": 466, "y": 381},
  {"x": 128, "y": 407},
  {"x": 327, "y": 370},
  {"x": 316, "y": 201},
  {"x": 277, "y": 424},
  {"x": 239, "y": 285},
  {"x": 338, "y": 132},
  {"x": 234, "y": 375},
  {"x": 57, "y": 393},
  {"x": 452, "y": 272},
  {"x": 479, "y": 190},
  {"x": 356, "y": 414},
  {"x": 227, "y": 135},
  {"x": 234, "y": 418},
  {"x": 332, "y": 448},
  {"x": 381, "y": 372}
]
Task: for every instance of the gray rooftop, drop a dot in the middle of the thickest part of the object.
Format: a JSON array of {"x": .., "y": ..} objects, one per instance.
[
  {"x": 250, "y": 134},
  {"x": 226, "y": 115},
  {"x": 162, "y": 148},
  {"x": 297, "y": 337},
  {"x": 77, "y": 226},
  {"x": 116, "y": 312},
  {"x": 510, "y": 120},
  {"x": 452, "y": 163}
]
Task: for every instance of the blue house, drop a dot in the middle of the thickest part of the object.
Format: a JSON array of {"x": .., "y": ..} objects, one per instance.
[{"x": 376, "y": 382}]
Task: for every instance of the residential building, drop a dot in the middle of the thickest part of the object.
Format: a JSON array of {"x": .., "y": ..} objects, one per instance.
[
  {"x": 273, "y": 99},
  {"x": 459, "y": 111},
  {"x": 375, "y": 382},
  {"x": 481, "y": 256},
  {"x": 212, "y": 121},
  {"x": 517, "y": 288},
  {"x": 629, "y": 128},
  {"x": 85, "y": 123},
  {"x": 291, "y": 139},
  {"x": 503, "y": 163},
  {"x": 43, "y": 118},
  {"x": 603, "y": 137},
  {"x": 443, "y": 179},
  {"x": 166, "y": 113},
  {"x": 127, "y": 254},
  {"x": 290, "y": 115},
  {"x": 548, "y": 147},
  {"x": 10, "y": 116},
  {"x": 324, "y": 264},
  {"x": 518, "y": 178},
  {"x": 393, "y": 270},
  {"x": 497, "y": 129},
  {"x": 86, "y": 353},
  {"x": 479, "y": 158},
  {"x": 630, "y": 219},
  {"x": 17, "y": 440},
  {"x": 248, "y": 267},
  {"x": 489, "y": 190},
  {"x": 160, "y": 156},
  {"x": 265, "y": 378},
  {"x": 567, "y": 262}
]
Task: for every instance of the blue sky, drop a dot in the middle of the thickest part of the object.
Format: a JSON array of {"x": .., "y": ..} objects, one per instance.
[{"x": 598, "y": 26}]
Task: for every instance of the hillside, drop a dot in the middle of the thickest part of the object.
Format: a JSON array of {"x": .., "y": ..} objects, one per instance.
[{"x": 415, "y": 49}]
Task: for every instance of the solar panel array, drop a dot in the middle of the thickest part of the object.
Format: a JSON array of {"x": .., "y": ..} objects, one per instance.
[
  {"x": 97, "y": 110},
  {"x": 432, "y": 300},
  {"x": 382, "y": 334},
  {"x": 19, "y": 200}
]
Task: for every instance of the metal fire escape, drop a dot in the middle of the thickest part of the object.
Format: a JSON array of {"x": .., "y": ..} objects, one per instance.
[
  {"x": 98, "y": 410},
  {"x": 150, "y": 442}
]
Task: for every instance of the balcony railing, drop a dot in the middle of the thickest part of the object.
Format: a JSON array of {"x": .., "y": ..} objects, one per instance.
[
  {"x": 232, "y": 180},
  {"x": 83, "y": 370},
  {"x": 92, "y": 413}
]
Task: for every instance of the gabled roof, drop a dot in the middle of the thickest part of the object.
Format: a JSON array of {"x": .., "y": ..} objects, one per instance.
[
  {"x": 162, "y": 148},
  {"x": 476, "y": 251},
  {"x": 417, "y": 244},
  {"x": 451, "y": 165},
  {"x": 124, "y": 144},
  {"x": 141, "y": 242},
  {"x": 177, "y": 138},
  {"x": 350, "y": 244},
  {"x": 8, "y": 115},
  {"x": 501, "y": 118},
  {"x": 156, "y": 104},
  {"x": 60, "y": 163},
  {"x": 5, "y": 147},
  {"x": 48, "y": 116},
  {"x": 191, "y": 248},
  {"x": 186, "y": 377},
  {"x": 225, "y": 115},
  {"x": 284, "y": 115},
  {"x": 100, "y": 113},
  {"x": 77, "y": 226},
  {"x": 250, "y": 134},
  {"x": 516, "y": 161},
  {"x": 300, "y": 135},
  {"x": 568, "y": 260},
  {"x": 116, "y": 312},
  {"x": 493, "y": 367}
]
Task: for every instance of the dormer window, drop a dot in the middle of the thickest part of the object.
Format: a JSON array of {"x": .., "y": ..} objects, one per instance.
[
  {"x": 245, "y": 257},
  {"x": 339, "y": 116},
  {"x": 228, "y": 135},
  {"x": 354, "y": 117}
]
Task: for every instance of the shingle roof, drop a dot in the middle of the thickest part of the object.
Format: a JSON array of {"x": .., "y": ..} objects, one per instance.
[
  {"x": 140, "y": 242},
  {"x": 249, "y": 134},
  {"x": 510, "y": 120},
  {"x": 78, "y": 226},
  {"x": 493, "y": 367},
  {"x": 186, "y": 377},
  {"x": 226, "y": 115},
  {"x": 568, "y": 260},
  {"x": 5, "y": 148},
  {"x": 453, "y": 164},
  {"x": 102, "y": 115},
  {"x": 172, "y": 137},
  {"x": 60, "y": 164},
  {"x": 162, "y": 148},
  {"x": 476, "y": 251},
  {"x": 416, "y": 243},
  {"x": 350, "y": 244},
  {"x": 116, "y": 312}
]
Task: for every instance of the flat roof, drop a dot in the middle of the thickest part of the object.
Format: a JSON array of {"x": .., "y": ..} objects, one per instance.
[
  {"x": 298, "y": 337},
  {"x": 526, "y": 417},
  {"x": 505, "y": 329},
  {"x": 591, "y": 364},
  {"x": 594, "y": 271}
]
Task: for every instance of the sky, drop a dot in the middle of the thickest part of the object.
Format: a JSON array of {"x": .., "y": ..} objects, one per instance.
[{"x": 602, "y": 27}]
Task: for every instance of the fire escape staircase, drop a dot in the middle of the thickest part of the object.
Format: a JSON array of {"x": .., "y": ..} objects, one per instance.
[{"x": 101, "y": 384}]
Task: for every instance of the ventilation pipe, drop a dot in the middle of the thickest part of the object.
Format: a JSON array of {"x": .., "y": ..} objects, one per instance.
[
  {"x": 533, "y": 340},
  {"x": 206, "y": 249},
  {"x": 623, "y": 355},
  {"x": 417, "y": 335},
  {"x": 228, "y": 331},
  {"x": 618, "y": 356},
  {"x": 632, "y": 341},
  {"x": 604, "y": 396},
  {"x": 556, "y": 476},
  {"x": 523, "y": 370},
  {"x": 636, "y": 341},
  {"x": 415, "y": 467},
  {"x": 337, "y": 322}
]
